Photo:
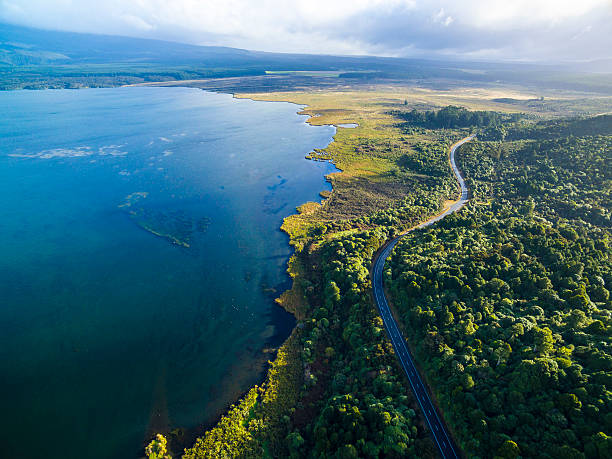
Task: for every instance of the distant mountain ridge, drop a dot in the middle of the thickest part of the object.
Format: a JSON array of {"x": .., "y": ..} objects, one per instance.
[
  {"x": 27, "y": 46},
  {"x": 37, "y": 59}
]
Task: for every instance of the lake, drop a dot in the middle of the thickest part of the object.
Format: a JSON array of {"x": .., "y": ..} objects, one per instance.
[{"x": 140, "y": 258}]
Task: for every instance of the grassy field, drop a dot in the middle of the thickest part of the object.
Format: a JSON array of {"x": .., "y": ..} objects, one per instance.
[
  {"x": 368, "y": 155},
  {"x": 371, "y": 178}
]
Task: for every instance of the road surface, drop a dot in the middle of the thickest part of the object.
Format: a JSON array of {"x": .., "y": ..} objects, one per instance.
[{"x": 438, "y": 430}]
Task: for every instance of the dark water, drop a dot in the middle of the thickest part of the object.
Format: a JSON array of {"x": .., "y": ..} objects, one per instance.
[{"x": 139, "y": 258}]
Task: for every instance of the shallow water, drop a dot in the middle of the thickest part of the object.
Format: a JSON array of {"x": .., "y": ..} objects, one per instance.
[{"x": 140, "y": 258}]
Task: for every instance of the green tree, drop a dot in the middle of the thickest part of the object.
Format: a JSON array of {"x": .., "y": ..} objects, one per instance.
[
  {"x": 508, "y": 450},
  {"x": 158, "y": 448},
  {"x": 543, "y": 340},
  {"x": 332, "y": 294}
]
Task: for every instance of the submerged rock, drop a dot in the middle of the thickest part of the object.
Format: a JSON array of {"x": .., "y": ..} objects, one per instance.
[{"x": 176, "y": 226}]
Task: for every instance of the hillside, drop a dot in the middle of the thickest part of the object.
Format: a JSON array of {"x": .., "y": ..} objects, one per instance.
[{"x": 39, "y": 59}]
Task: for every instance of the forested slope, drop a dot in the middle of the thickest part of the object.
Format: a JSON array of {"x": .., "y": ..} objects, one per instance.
[{"x": 507, "y": 303}]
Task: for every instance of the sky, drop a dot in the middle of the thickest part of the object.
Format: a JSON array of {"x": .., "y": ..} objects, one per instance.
[{"x": 526, "y": 30}]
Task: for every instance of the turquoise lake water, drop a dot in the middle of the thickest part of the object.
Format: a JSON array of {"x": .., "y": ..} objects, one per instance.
[{"x": 140, "y": 256}]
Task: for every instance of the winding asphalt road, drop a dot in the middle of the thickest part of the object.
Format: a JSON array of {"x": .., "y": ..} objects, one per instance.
[{"x": 438, "y": 430}]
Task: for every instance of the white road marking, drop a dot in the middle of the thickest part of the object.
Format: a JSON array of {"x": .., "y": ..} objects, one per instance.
[{"x": 391, "y": 325}]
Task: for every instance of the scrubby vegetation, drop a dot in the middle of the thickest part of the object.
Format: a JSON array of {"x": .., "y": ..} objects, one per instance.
[{"x": 506, "y": 304}]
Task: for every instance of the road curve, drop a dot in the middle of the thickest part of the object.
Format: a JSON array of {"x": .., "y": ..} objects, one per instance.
[{"x": 438, "y": 430}]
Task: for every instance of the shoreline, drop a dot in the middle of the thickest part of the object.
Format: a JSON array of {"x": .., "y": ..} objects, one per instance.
[
  {"x": 296, "y": 226},
  {"x": 248, "y": 399},
  {"x": 291, "y": 275}
]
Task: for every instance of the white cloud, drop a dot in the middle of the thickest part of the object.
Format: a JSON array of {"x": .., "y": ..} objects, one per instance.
[
  {"x": 136, "y": 22},
  {"x": 528, "y": 29},
  {"x": 512, "y": 13},
  {"x": 442, "y": 18},
  {"x": 586, "y": 29}
]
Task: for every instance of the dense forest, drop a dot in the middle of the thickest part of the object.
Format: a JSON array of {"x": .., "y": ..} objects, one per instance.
[
  {"x": 506, "y": 306},
  {"x": 451, "y": 117},
  {"x": 507, "y": 303},
  {"x": 549, "y": 130}
]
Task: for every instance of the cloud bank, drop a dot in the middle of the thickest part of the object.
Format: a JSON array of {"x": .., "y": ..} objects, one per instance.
[{"x": 493, "y": 29}]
